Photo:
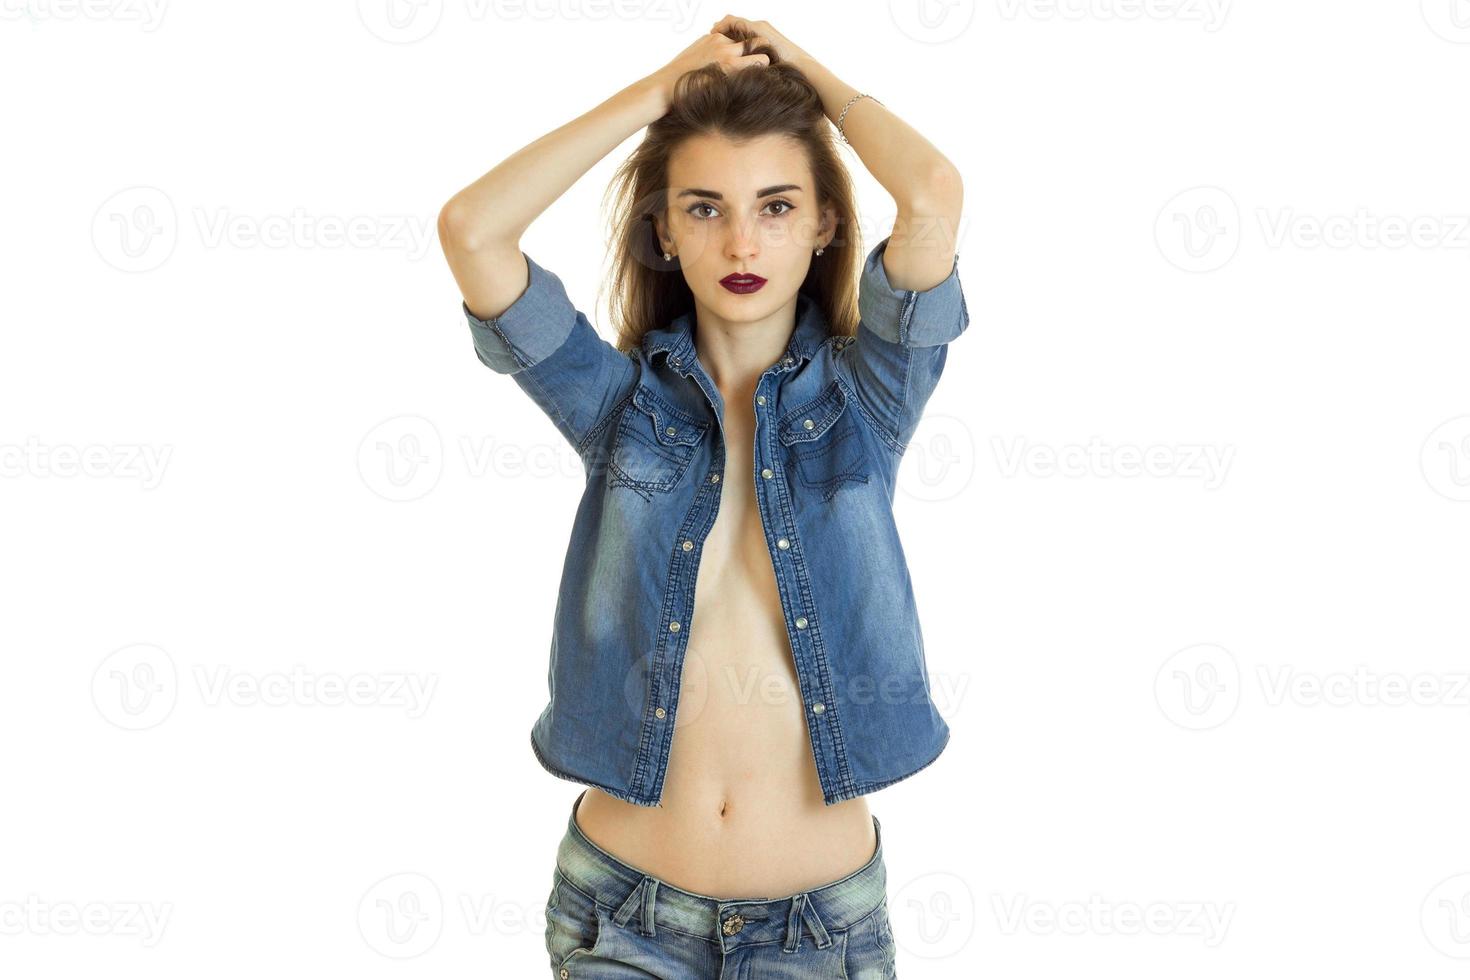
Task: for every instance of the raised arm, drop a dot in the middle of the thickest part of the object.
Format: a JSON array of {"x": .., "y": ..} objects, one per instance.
[
  {"x": 909, "y": 297},
  {"x": 480, "y": 228},
  {"x": 521, "y": 320}
]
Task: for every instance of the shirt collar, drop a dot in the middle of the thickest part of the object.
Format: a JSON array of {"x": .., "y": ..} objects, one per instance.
[{"x": 677, "y": 339}]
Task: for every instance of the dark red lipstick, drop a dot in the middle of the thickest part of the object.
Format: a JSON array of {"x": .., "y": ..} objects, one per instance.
[{"x": 742, "y": 282}]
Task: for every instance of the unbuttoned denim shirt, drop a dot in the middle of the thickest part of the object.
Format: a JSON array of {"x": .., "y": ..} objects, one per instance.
[{"x": 833, "y": 418}]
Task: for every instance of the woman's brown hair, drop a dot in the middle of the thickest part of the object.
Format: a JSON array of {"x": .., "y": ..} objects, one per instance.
[{"x": 776, "y": 99}]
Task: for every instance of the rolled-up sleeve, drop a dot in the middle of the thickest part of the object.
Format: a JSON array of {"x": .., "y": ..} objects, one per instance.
[
  {"x": 901, "y": 345},
  {"x": 553, "y": 353}
]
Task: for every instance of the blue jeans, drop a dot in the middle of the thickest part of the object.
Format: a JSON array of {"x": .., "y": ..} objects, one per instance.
[{"x": 608, "y": 919}]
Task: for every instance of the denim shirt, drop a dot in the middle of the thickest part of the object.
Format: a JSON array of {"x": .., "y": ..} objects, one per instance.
[{"x": 833, "y": 418}]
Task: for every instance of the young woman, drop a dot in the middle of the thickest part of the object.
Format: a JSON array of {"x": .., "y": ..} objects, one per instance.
[{"x": 736, "y": 658}]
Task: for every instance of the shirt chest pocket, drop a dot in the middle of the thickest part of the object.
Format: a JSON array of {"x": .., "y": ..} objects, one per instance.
[
  {"x": 824, "y": 443},
  {"x": 654, "y": 445}
]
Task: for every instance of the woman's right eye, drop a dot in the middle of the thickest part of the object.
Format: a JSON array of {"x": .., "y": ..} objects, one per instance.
[{"x": 701, "y": 204}]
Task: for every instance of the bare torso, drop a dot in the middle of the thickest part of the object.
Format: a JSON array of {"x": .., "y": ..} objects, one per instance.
[{"x": 742, "y": 813}]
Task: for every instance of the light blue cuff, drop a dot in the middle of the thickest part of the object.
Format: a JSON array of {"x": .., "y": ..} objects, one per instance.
[
  {"x": 532, "y": 328},
  {"x": 912, "y": 318}
]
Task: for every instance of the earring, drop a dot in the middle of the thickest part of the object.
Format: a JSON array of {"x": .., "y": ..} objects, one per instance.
[
  {"x": 819, "y": 251},
  {"x": 668, "y": 257}
]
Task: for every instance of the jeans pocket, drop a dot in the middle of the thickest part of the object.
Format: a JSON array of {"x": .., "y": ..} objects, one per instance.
[
  {"x": 572, "y": 923},
  {"x": 870, "y": 950}
]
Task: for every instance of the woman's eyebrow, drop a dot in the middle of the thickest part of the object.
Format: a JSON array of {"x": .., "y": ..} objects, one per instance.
[{"x": 763, "y": 192}]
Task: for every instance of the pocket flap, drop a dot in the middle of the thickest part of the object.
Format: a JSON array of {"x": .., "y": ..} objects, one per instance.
[
  {"x": 811, "y": 420},
  {"x": 670, "y": 426}
]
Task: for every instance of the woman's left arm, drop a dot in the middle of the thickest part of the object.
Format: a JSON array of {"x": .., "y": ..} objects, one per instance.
[{"x": 924, "y": 184}]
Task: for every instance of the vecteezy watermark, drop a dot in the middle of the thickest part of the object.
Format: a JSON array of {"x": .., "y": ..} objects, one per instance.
[
  {"x": 1207, "y": 921},
  {"x": 934, "y": 915},
  {"x": 1445, "y": 916},
  {"x": 1361, "y": 687},
  {"x": 137, "y": 230},
  {"x": 1201, "y": 686},
  {"x": 1210, "y": 14},
  {"x": 1450, "y": 19},
  {"x": 931, "y": 23},
  {"x": 401, "y": 916},
  {"x": 1204, "y": 462},
  {"x": 137, "y": 687},
  {"x": 1198, "y": 687},
  {"x": 147, "y": 14},
  {"x": 407, "y": 21},
  {"x": 404, "y": 915},
  {"x": 1445, "y": 459},
  {"x": 1362, "y": 229},
  {"x": 752, "y": 684},
  {"x": 939, "y": 461},
  {"x": 1200, "y": 229},
  {"x": 124, "y": 461},
  {"x": 33, "y": 916},
  {"x": 402, "y": 458}
]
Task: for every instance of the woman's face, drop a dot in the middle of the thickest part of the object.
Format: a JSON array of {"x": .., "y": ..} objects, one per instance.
[{"x": 742, "y": 210}]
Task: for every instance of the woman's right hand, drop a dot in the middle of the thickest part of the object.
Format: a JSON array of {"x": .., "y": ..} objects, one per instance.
[{"x": 709, "y": 48}]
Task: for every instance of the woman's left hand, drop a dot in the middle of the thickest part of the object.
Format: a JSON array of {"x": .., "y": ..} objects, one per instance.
[{"x": 785, "y": 49}]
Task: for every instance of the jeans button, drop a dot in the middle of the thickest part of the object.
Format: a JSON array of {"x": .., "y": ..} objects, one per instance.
[{"x": 733, "y": 924}]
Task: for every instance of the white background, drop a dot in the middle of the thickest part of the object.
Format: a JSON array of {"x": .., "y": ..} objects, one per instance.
[{"x": 1228, "y": 697}]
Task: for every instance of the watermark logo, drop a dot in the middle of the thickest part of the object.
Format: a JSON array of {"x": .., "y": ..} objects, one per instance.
[
  {"x": 939, "y": 462},
  {"x": 1198, "y": 230},
  {"x": 147, "y": 14},
  {"x": 1445, "y": 459},
  {"x": 127, "y": 461},
  {"x": 933, "y": 915},
  {"x": 136, "y": 229},
  {"x": 1209, "y": 14},
  {"x": 34, "y": 916},
  {"x": 1198, "y": 687},
  {"x": 1206, "y": 921},
  {"x": 1450, "y": 19},
  {"x": 136, "y": 687},
  {"x": 401, "y": 916},
  {"x": 932, "y": 21},
  {"x": 1445, "y": 916},
  {"x": 1205, "y": 463},
  {"x": 401, "y": 458}
]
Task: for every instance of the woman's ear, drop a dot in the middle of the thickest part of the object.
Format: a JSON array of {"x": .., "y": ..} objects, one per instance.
[{"x": 661, "y": 233}]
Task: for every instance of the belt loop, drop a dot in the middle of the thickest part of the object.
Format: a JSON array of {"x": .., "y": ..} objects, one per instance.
[
  {"x": 641, "y": 900},
  {"x": 650, "y": 889},
  {"x": 803, "y": 911}
]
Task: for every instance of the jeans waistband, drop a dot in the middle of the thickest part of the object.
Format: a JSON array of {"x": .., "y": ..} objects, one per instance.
[{"x": 649, "y": 903}]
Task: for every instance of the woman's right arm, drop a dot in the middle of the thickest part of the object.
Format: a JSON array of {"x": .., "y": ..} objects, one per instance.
[{"x": 480, "y": 227}]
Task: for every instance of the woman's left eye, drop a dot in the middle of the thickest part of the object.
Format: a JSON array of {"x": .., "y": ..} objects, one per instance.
[{"x": 786, "y": 204}]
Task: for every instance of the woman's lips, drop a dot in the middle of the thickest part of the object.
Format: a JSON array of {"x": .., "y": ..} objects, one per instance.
[{"x": 747, "y": 282}]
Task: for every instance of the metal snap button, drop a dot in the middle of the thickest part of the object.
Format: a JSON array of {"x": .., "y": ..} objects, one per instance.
[
  {"x": 674, "y": 626},
  {"x": 818, "y": 708},
  {"x": 808, "y": 424},
  {"x": 659, "y": 712},
  {"x": 714, "y": 478},
  {"x": 734, "y": 924},
  {"x": 783, "y": 544},
  {"x": 670, "y": 430},
  {"x": 760, "y": 399},
  {"x": 801, "y": 622},
  {"x": 688, "y": 545},
  {"x": 766, "y": 472}
]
